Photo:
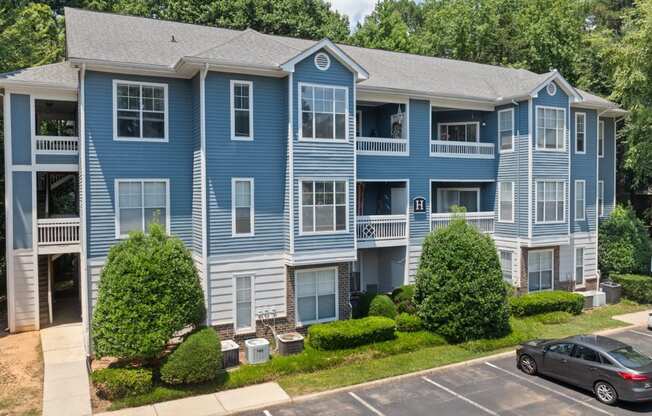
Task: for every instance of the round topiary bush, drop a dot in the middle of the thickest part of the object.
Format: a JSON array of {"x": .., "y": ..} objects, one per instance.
[
  {"x": 198, "y": 359},
  {"x": 149, "y": 289},
  {"x": 116, "y": 383},
  {"x": 382, "y": 305},
  {"x": 623, "y": 243},
  {"x": 459, "y": 286},
  {"x": 408, "y": 323},
  {"x": 403, "y": 297}
]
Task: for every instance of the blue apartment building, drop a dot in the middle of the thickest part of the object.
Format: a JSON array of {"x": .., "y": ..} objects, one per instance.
[{"x": 297, "y": 172}]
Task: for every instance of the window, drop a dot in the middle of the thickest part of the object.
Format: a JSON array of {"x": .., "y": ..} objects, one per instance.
[
  {"x": 242, "y": 206},
  {"x": 506, "y": 265},
  {"x": 586, "y": 354},
  {"x": 141, "y": 203},
  {"x": 562, "y": 348},
  {"x": 468, "y": 198},
  {"x": 358, "y": 123},
  {"x": 139, "y": 111},
  {"x": 580, "y": 200},
  {"x": 323, "y": 206},
  {"x": 550, "y": 201},
  {"x": 580, "y": 133},
  {"x": 601, "y": 198},
  {"x": 242, "y": 120},
  {"x": 539, "y": 270},
  {"x": 506, "y": 129},
  {"x": 316, "y": 295},
  {"x": 506, "y": 202},
  {"x": 579, "y": 265},
  {"x": 551, "y": 127},
  {"x": 55, "y": 118},
  {"x": 244, "y": 300},
  {"x": 601, "y": 139},
  {"x": 459, "y": 132},
  {"x": 323, "y": 112}
]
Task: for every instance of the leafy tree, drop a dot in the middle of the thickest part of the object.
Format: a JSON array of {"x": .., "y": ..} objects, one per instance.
[
  {"x": 623, "y": 244},
  {"x": 393, "y": 25}
]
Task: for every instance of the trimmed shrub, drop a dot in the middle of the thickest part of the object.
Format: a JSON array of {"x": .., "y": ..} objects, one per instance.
[
  {"x": 408, "y": 323},
  {"x": 116, "y": 383},
  {"x": 543, "y": 302},
  {"x": 623, "y": 243},
  {"x": 382, "y": 305},
  {"x": 635, "y": 287},
  {"x": 403, "y": 297},
  {"x": 351, "y": 333},
  {"x": 460, "y": 292},
  {"x": 196, "y": 360},
  {"x": 149, "y": 289},
  {"x": 361, "y": 308},
  {"x": 554, "y": 318}
]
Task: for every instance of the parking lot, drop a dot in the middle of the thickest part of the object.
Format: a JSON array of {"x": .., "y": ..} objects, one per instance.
[{"x": 494, "y": 387}]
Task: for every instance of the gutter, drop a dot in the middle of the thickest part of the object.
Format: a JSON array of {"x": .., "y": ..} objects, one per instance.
[{"x": 421, "y": 94}]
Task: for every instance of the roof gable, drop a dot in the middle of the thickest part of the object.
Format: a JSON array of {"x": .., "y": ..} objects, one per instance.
[{"x": 334, "y": 51}]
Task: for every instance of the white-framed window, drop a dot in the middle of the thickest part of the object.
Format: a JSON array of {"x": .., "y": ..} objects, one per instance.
[
  {"x": 316, "y": 295},
  {"x": 242, "y": 207},
  {"x": 139, "y": 203},
  {"x": 551, "y": 128},
  {"x": 459, "y": 132},
  {"x": 580, "y": 200},
  {"x": 601, "y": 198},
  {"x": 242, "y": 110},
  {"x": 324, "y": 206},
  {"x": 140, "y": 111},
  {"x": 467, "y": 198},
  {"x": 506, "y": 130},
  {"x": 550, "y": 201},
  {"x": 324, "y": 112},
  {"x": 579, "y": 266},
  {"x": 506, "y": 201},
  {"x": 507, "y": 265},
  {"x": 243, "y": 294},
  {"x": 358, "y": 123},
  {"x": 580, "y": 132},
  {"x": 540, "y": 270},
  {"x": 601, "y": 138}
]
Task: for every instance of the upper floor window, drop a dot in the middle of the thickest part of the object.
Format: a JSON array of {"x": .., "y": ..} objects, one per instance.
[
  {"x": 580, "y": 200},
  {"x": 323, "y": 112},
  {"x": 139, "y": 203},
  {"x": 580, "y": 133},
  {"x": 140, "y": 111},
  {"x": 601, "y": 139},
  {"x": 550, "y": 201},
  {"x": 506, "y": 202},
  {"x": 460, "y": 132},
  {"x": 242, "y": 206},
  {"x": 601, "y": 198},
  {"x": 323, "y": 206},
  {"x": 506, "y": 129},
  {"x": 551, "y": 127},
  {"x": 467, "y": 198},
  {"x": 242, "y": 120}
]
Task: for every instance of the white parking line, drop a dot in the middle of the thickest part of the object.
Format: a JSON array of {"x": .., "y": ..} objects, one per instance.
[
  {"x": 459, "y": 396},
  {"x": 267, "y": 413},
  {"x": 520, "y": 377},
  {"x": 641, "y": 333},
  {"x": 365, "y": 404}
]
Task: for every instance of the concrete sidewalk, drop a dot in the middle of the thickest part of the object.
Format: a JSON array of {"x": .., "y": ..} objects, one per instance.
[{"x": 636, "y": 318}]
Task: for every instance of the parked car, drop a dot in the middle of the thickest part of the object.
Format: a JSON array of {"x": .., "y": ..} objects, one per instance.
[
  {"x": 612, "y": 370},
  {"x": 649, "y": 322}
]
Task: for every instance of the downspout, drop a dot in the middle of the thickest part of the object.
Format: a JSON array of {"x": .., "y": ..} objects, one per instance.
[
  {"x": 517, "y": 213},
  {"x": 203, "y": 197},
  {"x": 597, "y": 190},
  {"x": 85, "y": 287}
]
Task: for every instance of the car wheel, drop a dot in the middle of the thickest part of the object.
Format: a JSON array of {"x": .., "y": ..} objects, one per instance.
[
  {"x": 605, "y": 392},
  {"x": 527, "y": 364}
]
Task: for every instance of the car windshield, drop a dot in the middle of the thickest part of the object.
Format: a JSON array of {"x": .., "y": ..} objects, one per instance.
[{"x": 630, "y": 358}]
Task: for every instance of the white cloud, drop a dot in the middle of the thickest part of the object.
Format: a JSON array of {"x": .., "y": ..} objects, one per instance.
[{"x": 355, "y": 9}]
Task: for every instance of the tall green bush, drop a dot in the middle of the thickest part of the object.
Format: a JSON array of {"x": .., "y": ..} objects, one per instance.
[
  {"x": 459, "y": 285},
  {"x": 196, "y": 360},
  {"x": 623, "y": 243},
  {"x": 149, "y": 289}
]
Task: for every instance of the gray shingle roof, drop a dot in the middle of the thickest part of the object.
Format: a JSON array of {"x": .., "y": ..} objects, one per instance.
[{"x": 59, "y": 75}]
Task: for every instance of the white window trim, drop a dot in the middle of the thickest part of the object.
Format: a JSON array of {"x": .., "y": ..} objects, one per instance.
[
  {"x": 601, "y": 138},
  {"x": 500, "y": 205},
  {"x": 444, "y": 189},
  {"x": 252, "y": 328},
  {"x": 583, "y": 115},
  {"x": 552, "y": 280},
  {"x": 346, "y": 115},
  {"x": 536, "y": 201},
  {"x": 536, "y": 129},
  {"x": 601, "y": 202},
  {"x": 579, "y": 285},
  {"x": 500, "y": 149},
  {"x": 296, "y": 296},
  {"x": 346, "y": 189},
  {"x": 583, "y": 217},
  {"x": 116, "y": 195},
  {"x": 115, "y": 113},
  {"x": 252, "y": 213},
  {"x": 513, "y": 256},
  {"x": 250, "y": 85},
  {"x": 459, "y": 123}
]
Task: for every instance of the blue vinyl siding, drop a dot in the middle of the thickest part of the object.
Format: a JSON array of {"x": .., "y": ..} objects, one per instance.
[
  {"x": 583, "y": 167},
  {"x": 21, "y": 130},
  {"x": 606, "y": 165},
  {"x": 23, "y": 212}
]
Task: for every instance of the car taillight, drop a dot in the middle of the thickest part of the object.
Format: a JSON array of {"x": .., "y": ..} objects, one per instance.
[{"x": 633, "y": 377}]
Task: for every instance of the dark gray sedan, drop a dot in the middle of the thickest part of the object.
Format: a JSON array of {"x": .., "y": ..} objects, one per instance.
[{"x": 609, "y": 368}]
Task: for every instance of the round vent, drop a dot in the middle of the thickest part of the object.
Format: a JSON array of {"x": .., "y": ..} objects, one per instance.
[
  {"x": 551, "y": 88},
  {"x": 322, "y": 61}
]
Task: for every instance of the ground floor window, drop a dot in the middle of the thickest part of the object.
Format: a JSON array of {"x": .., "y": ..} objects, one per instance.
[
  {"x": 506, "y": 265},
  {"x": 579, "y": 265},
  {"x": 316, "y": 295},
  {"x": 540, "y": 270},
  {"x": 244, "y": 320}
]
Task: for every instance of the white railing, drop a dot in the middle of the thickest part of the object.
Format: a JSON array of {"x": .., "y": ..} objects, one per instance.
[
  {"x": 381, "y": 146},
  {"x": 57, "y": 145},
  {"x": 381, "y": 227},
  {"x": 471, "y": 150},
  {"x": 53, "y": 231},
  {"x": 483, "y": 221}
]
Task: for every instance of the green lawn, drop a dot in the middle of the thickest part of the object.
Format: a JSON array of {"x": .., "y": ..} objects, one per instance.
[{"x": 314, "y": 371}]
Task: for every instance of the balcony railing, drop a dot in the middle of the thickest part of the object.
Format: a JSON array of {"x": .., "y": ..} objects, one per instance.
[
  {"x": 381, "y": 146},
  {"x": 483, "y": 221},
  {"x": 468, "y": 150},
  {"x": 57, "y": 145},
  {"x": 56, "y": 231},
  {"x": 381, "y": 227}
]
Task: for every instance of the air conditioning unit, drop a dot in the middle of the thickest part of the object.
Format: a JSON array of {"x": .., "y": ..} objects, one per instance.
[{"x": 257, "y": 350}]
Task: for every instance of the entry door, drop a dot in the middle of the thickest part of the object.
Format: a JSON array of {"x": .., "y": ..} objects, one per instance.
[{"x": 399, "y": 200}]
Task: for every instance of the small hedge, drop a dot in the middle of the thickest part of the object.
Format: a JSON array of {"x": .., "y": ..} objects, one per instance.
[
  {"x": 198, "y": 359},
  {"x": 408, "y": 323},
  {"x": 554, "y": 318},
  {"x": 542, "y": 302},
  {"x": 351, "y": 333},
  {"x": 382, "y": 305},
  {"x": 116, "y": 383},
  {"x": 403, "y": 297},
  {"x": 635, "y": 287}
]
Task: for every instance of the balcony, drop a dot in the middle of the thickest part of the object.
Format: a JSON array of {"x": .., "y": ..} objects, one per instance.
[
  {"x": 381, "y": 213},
  {"x": 381, "y": 128},
  {"x": 57, "y": 200},
  {"x": 56, "y": 127},
  {"x": 58, "y": 235},
  {"x": 465, "y": 150},
  {"x": 381, "y": 146},
  {"x": 54, "y": 145},
  {"x": 483, "y": 221},
  {"x": 381, "y": 228}
]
